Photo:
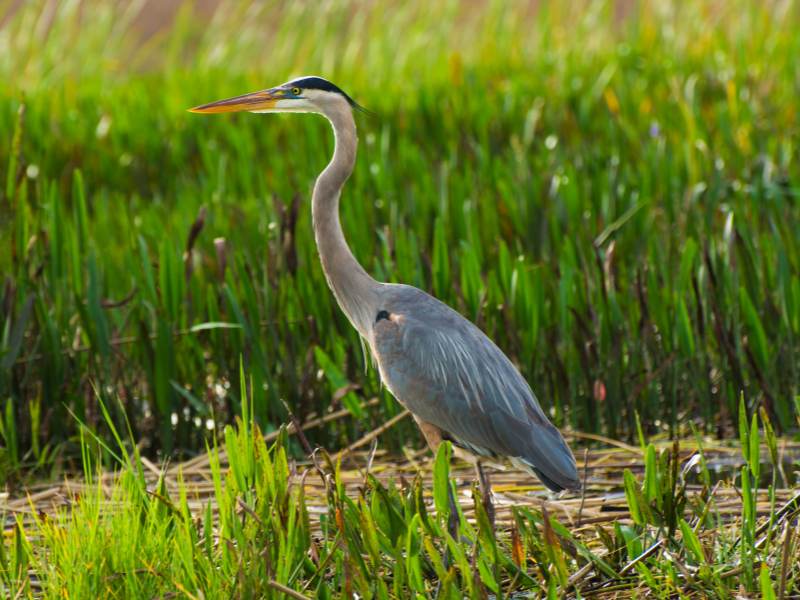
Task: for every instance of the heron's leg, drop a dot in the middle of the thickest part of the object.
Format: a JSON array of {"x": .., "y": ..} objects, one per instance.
[{"x": 486, "y": 492}]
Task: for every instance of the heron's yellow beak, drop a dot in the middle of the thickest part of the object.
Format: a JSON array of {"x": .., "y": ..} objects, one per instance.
[{"x": 255, "y": 101}]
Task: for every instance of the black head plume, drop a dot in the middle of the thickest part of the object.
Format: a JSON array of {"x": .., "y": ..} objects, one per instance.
[{"x": 318, "y": 83}]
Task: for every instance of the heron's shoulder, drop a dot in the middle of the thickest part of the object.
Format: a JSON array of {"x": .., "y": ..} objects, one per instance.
[
  {"x": 402, "y": 293},
  {"x": 420, "y": 306},
  {"x": 426, "y": 326},
  {"x": 430, "y": 343}
]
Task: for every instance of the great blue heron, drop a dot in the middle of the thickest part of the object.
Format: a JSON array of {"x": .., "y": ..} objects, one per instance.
[{"x": 458, "y": 385}]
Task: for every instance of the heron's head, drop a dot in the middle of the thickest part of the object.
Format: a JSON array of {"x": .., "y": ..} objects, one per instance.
[{"x": 303, "y": 94}]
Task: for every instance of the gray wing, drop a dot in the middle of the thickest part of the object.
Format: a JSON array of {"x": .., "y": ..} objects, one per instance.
[{"x": 448, "y": 373}]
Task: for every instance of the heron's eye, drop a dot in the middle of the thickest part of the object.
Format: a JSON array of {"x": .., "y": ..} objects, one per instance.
[
  {"x": 382, "y": 314},
  {"x": 295, "y": 91}
]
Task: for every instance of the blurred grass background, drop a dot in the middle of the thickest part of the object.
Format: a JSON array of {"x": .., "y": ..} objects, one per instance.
[{"x": 609, "y": 189}]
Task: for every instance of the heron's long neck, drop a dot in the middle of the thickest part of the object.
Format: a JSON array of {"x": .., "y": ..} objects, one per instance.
[{"x": 355, "y": 291}]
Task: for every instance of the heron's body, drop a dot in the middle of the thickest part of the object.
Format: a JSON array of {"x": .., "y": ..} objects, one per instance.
[
  {"x": 461, "y": 387},
  {"x": 455, "y": 381}
]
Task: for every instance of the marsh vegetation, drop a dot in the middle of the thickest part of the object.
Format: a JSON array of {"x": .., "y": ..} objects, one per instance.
[{"x": 609, "y": 190}]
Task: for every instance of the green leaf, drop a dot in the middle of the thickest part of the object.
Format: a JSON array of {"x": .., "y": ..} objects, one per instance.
[
  {"x": 688, "y": 257},
  {"x": 755, "y": 453},
  {"x": 441, "y": 261},
  {"x": 15, "y": 154},
  {"x": 651, "y": 488},
  {"x": 413, "y": 550},
  {"x": 214, "y": 325},
  {"x": 692, "y": 542},
  {"x": 637, "y": 505},
  {"x": 684, "y": 328},
  {"x": 441, "y": 481},
  {"x": 792, "y": 299},
  {"x": 744, "y": 430},
  {"x": 200, "y": 406},
  {"x": 757, "y": 339},
  {"x": 337, "y": 382},
  {"x": 14, "y": 345},
  {"x": 765, "y": 583},
  {"x": 486, "y": 574}
]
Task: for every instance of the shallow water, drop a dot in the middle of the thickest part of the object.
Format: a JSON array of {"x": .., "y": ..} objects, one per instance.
[{"x": 728, "y": 468}]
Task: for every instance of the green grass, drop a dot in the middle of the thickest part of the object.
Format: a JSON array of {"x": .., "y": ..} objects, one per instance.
[
  {"x": 255, "y": 536},
  {"x": 612, "y": 195}
]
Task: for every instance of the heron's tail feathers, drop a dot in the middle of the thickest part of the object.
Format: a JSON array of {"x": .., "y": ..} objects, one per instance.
[
  {"x": 551, "y": 460},
  {"x": 557, "y": 483}
]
